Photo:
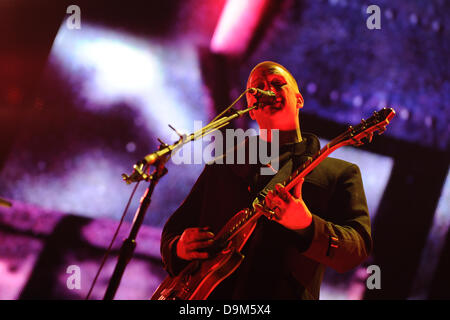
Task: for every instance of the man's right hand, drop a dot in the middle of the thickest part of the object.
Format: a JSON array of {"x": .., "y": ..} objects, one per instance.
[{"x": 192, "y": 241}]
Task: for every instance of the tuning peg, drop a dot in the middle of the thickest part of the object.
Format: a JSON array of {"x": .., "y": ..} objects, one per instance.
[
  {"x": 369, "y": 138},
  {"x": 351, "y": 130}
]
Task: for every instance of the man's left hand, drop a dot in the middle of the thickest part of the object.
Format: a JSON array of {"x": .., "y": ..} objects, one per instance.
[{"x": 290, "y": 211}]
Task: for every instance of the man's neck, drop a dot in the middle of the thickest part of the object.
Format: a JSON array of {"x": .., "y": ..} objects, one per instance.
[{"x": 285, "y": 136}]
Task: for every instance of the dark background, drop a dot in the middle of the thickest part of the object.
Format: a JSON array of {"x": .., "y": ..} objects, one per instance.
[{"x": 80, "y": 107}]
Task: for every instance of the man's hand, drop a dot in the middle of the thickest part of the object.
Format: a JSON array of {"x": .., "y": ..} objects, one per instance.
[
  {"x": 192, "y": 241},
  {"x": 290, "y": 211}
]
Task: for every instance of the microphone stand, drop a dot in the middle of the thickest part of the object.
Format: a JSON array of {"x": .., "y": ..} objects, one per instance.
[
  {"x": 127, "y": 250},
  {"x": 158, "y": 159}
]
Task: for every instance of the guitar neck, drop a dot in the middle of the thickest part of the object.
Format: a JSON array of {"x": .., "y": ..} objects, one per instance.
[
  {"x": 313, "y": 162},
  {"x": 251, "y": 214},
  {"x": 357, "y": 136}
]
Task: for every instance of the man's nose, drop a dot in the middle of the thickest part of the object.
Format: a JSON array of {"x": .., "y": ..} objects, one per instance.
[{"x": 268, "y": 87}]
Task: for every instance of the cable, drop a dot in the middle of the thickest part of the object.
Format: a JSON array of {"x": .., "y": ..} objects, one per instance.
[
  {"x": 204, "y": 131},
  {"x": 231, "y": 105}
]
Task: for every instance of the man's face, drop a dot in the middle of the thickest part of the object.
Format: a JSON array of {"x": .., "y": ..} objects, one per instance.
[{"x": 283, "y": 114}]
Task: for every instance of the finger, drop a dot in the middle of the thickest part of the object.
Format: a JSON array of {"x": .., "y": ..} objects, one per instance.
[
  {"x": 272, "y": 194},
  {"x": 188, "y": 234},
  {"x": 268, "y": 201},
  {"x": 198, "y": 255},
  {"x": 277, "y": 202},
  {"x": 268, "y": 214},
  {"x": 276, "y": 213},
  {"x": 298, "y": 188},
  {"x": 198, "y": 235},
  {"x": 193, "y": 246},
  {"x": 283, "y": 193}
]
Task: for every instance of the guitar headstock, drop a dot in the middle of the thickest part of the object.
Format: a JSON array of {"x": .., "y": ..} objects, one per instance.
[{"x": 364, "y": 131}]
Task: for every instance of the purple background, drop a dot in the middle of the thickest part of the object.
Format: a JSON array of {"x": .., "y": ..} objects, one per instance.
[{"x": 79, "y": 107}]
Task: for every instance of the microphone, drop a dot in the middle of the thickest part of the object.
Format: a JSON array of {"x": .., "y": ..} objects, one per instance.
[{"x": 263, "y": 97}]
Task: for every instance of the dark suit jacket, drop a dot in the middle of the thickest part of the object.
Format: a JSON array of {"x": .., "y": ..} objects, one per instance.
[{"x": 280, "y": 263}]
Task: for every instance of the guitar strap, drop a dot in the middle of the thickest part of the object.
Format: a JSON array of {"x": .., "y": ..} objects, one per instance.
[{"x": 300, "y": 152}]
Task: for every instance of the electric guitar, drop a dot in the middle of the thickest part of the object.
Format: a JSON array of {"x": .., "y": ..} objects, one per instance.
[{"x": 200, "y": 277}]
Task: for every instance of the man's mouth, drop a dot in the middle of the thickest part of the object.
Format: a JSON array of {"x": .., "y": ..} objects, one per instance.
[{"x": 277, "y": 105}]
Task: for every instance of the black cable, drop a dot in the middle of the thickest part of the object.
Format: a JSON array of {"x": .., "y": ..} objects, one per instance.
[{"x": 230, "y": 106}]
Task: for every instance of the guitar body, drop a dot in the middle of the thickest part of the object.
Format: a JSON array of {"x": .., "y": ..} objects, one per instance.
[{"x": 200, "y": 277}]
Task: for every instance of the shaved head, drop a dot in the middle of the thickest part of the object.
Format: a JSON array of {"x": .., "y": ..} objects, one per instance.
[
  {"x": 283, "y": 113},
  {"x": 273, "y": 67}
]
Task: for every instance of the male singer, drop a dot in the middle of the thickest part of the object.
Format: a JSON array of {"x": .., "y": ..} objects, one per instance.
[{"x": 323, "y": 223}]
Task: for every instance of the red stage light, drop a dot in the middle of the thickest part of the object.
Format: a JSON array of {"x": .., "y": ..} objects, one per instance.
[{"x": 236, "y": 26}]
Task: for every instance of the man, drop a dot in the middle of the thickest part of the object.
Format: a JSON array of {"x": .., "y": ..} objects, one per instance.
[{"x": 325, "y": 222}]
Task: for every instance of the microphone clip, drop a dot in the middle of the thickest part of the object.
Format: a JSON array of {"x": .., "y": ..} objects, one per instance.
[
  {"x": 263, "y": 97},
  {"x": 142, "y": 168},
  {"x": 138, "y": 174}
]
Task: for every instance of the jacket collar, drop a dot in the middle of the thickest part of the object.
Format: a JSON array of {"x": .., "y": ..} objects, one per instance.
[{"x": 299, "y": 151}]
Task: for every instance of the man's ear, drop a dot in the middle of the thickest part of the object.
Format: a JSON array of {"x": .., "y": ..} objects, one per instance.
[{"x": 300, "y": 100}]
